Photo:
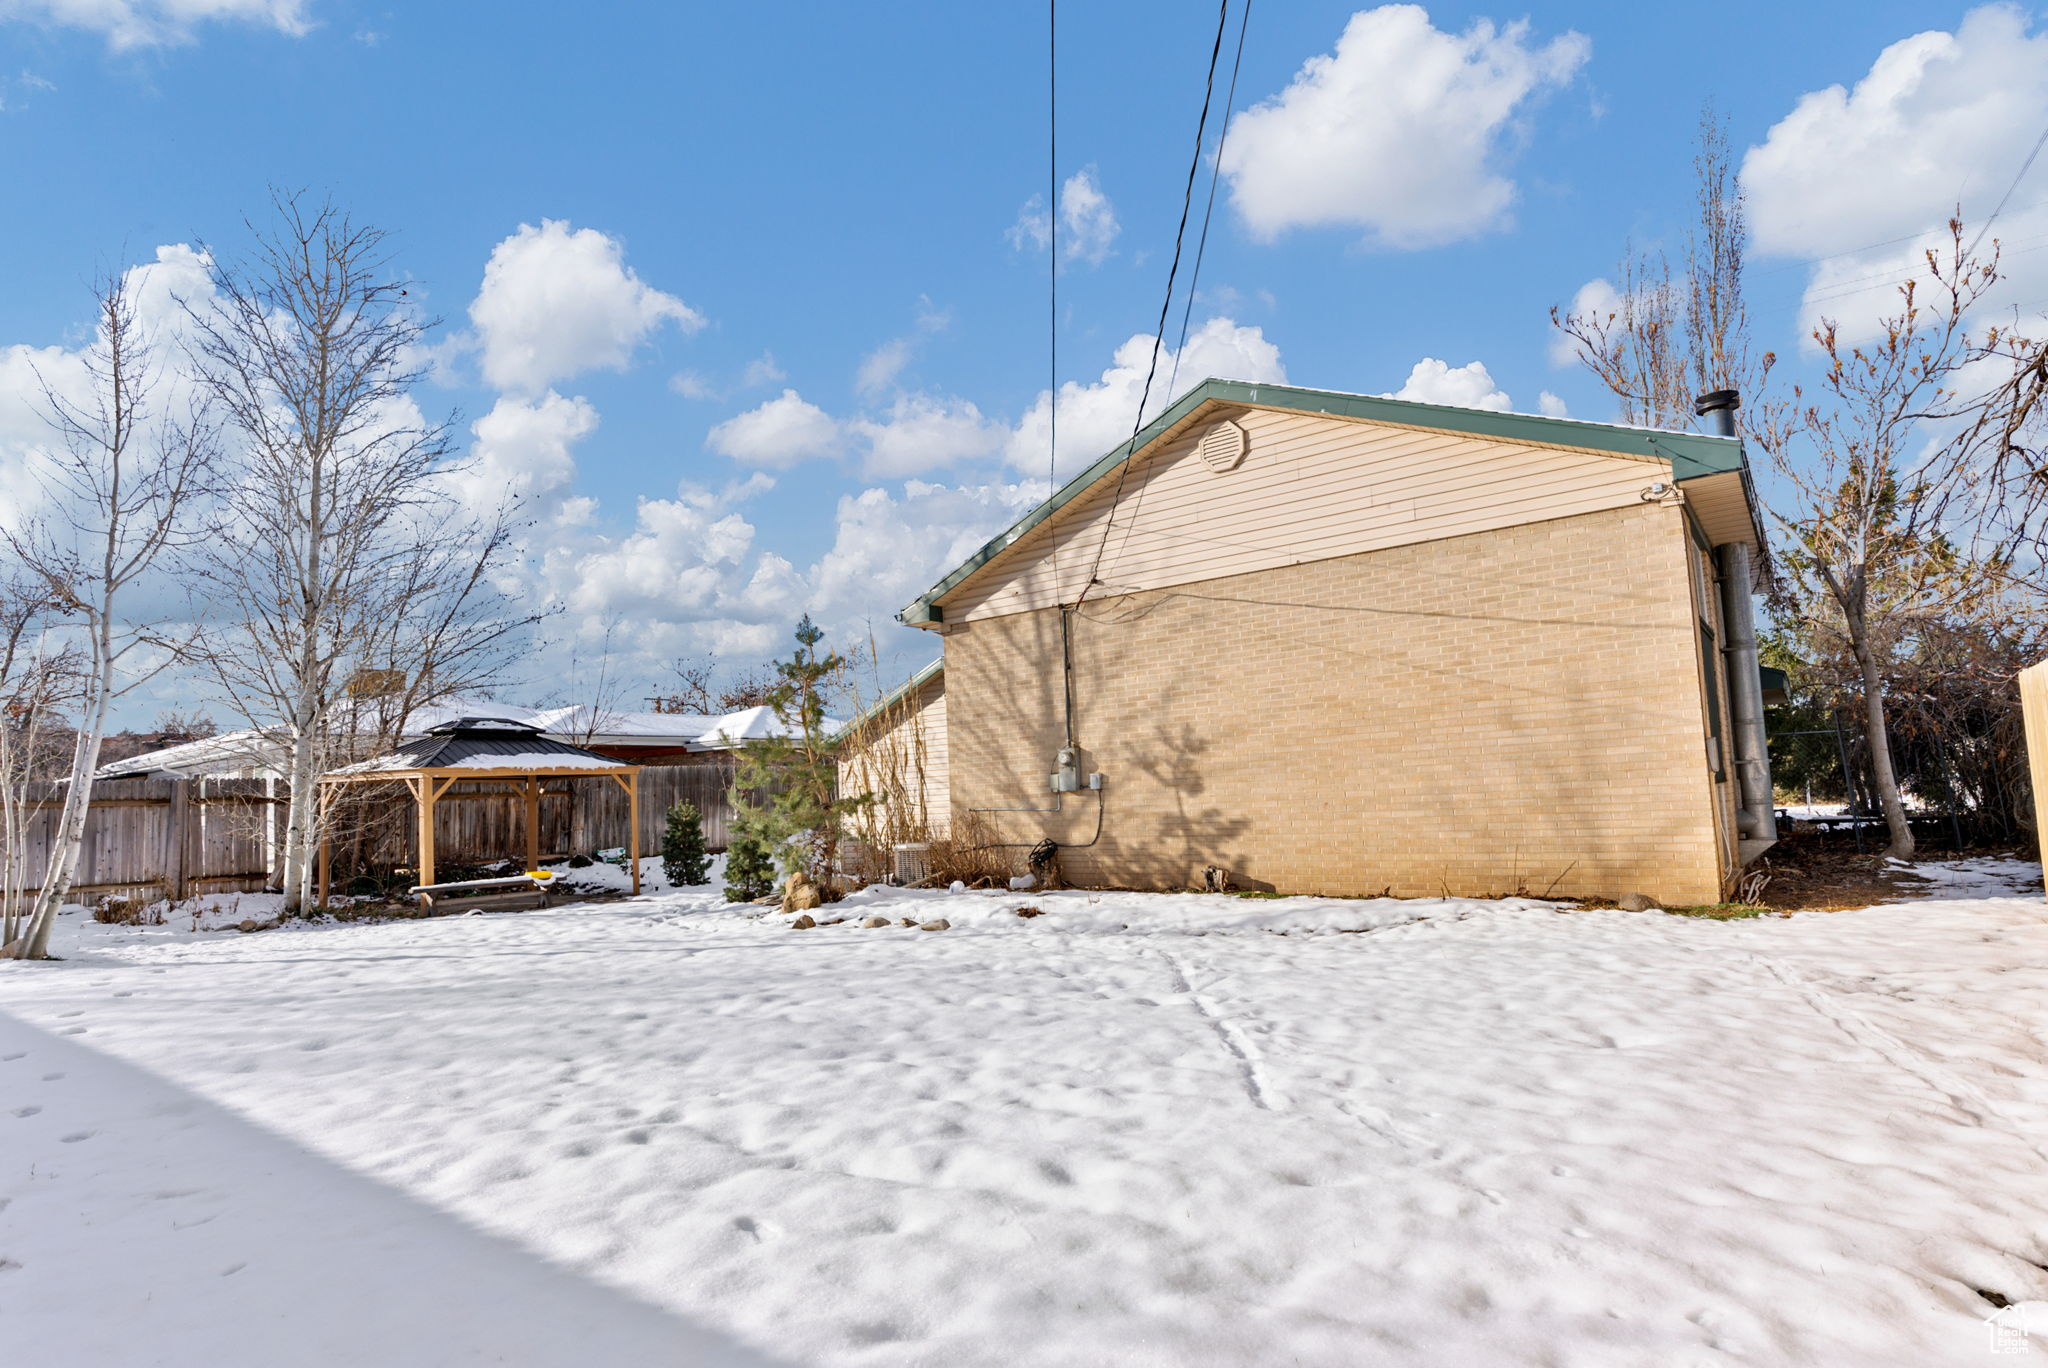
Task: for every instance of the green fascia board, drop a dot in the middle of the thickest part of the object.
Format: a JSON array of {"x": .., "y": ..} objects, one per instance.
[
  {"x": 1691, "y": 454},
  {"x": 908, "y": 686}
]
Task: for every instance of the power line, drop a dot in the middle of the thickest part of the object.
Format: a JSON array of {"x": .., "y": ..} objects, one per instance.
[
  {"x": 2025, "y": 166},
  {"x": 1165, "y": 305},
  {"x": 1052, "y": 255},
  {"x": 1244, "y": 19}
]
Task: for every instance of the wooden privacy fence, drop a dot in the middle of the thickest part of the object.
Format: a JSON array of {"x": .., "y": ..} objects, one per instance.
[
  {"x": 478, "y": 821},
  {"x": 159, "y": 837},
  {"x": 172, "y": 838},
  {"x": 2034, "y": 706}
]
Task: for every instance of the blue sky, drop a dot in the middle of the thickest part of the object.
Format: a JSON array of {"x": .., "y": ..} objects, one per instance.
[{"x": 766, "y": 323}]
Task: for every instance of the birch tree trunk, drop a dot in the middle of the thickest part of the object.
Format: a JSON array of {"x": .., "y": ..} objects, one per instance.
[
  {"x": 341, "y": 562},
  {"x": 116, "y": 498}
]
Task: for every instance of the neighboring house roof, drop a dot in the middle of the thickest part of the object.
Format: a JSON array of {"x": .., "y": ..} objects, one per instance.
[
  {"x": 752, "y": 724},
  {"x": 1692, "y": 455},
  {"x": 484, "y": 743},
  {"x": 605, "y": 727},
  {"x": 263, "y": 750},
  {"x": 236, "y": 750}
]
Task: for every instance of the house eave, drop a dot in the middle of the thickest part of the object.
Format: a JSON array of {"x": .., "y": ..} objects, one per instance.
[{"x": 1691, "y": 454}]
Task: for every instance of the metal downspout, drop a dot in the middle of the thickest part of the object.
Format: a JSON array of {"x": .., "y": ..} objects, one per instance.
[{"x": 1758, "y": 818}]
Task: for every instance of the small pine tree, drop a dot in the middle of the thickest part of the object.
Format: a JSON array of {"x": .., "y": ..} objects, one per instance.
[
  {"x": 749, "y": 873},
  {"x": 787, "y": 790},
  {"x": 683, "y": 857}
]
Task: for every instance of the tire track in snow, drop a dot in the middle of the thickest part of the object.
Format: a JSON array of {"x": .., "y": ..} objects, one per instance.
[
  {"x": 1262, "y": 1093},
  {"x": 1961, "y": 1094}
]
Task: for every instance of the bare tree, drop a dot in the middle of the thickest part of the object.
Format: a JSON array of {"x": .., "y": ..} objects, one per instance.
[
  {"x": 1666, "y": 341},
  {"x": 119, "y": 488},
  {"x": 699, "y": 689},
  {"x": 1887, "y": 528},
  {"x": 340, "y": 550},
  {"x": 39, "y": 678}
]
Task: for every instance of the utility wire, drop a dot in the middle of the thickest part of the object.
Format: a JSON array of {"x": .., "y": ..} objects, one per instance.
[
  {"x": 1244, "y": 19},
  {"x": 1052, "y": 254},
  {"x": 1166, "y": 304},
  {"x": 2025, "y": 166}
]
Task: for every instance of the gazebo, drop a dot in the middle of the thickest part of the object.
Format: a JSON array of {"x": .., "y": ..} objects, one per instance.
[{"x": 482, "y": 748}]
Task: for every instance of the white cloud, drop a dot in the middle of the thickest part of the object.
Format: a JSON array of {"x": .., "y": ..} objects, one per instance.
[
  {"x": 1596, "y": 299},
  {"x": 1551, "y": 406},
  {"x": 156, "y": 289},
  {"x": 762, "y": 370},
  {"x": 1468, "y": 386},
  {"x": 923, "y": 432},
  {"x": 879, "y": 369},
  {"x": 1400, "y": 132},
  {"x": 1088, "y": 223},
  {"x": 557, "y": 301},
  {"x": 783, "y": 432},
  {"x": 1940, "y": 118},
  {"x": 129, "y": 24},
  {"x": 692, "y": 385},
  {"x": 888, "y": 548},
  {"x": 1095, "y": 417},
  {"x": 1087, "y": 219},
  {"x": 1033, "y": 227},
  {"x": 525, "y": 449}
]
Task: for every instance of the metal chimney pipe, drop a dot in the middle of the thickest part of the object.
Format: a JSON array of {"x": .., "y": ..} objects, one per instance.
[
  {"x": 1757, "y": 813},
  {"x": 1718, "y": 408}
]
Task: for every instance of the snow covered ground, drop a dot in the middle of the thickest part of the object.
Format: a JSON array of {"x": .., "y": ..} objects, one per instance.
[{"x": 1133, "y": 1130}]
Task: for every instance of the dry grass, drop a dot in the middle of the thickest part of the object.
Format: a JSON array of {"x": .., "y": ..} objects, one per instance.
[{"x": 969, "y": 854}]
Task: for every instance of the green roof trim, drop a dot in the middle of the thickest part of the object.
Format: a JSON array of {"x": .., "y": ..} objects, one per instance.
[
  {"x": 1691, "y": 454},
  {"x": 901, "y": 691}
]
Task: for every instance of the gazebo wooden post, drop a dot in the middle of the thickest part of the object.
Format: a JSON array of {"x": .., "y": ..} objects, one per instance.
[
  {"x": 633, "y": 825},
  {"x": 532, "y": 822},
  {"x": 423, "y": 794}
]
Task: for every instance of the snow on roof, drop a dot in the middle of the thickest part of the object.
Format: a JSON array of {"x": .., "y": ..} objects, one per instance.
[
  {"x": 751, "y": 724},
  {"x": 263, "y": 750},
  {"x": 235, "y": 750},
  {"x": 581, "y": 719},
  {"x": 484, "y": 743}
]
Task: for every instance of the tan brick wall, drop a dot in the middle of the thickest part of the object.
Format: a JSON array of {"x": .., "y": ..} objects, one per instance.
[{"x": 1515, "y": 708}]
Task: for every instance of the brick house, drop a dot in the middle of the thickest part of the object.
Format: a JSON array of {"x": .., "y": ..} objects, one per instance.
[{"x": 1341, "y": 644}]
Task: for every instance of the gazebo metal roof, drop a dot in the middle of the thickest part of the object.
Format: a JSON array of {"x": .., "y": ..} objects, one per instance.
[
  {"x": 482, "y": 743},
  {"x": 487, "y": 748}
]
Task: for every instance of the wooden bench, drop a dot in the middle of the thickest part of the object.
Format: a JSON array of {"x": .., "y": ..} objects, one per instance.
[{"x": 516, "y": 894}]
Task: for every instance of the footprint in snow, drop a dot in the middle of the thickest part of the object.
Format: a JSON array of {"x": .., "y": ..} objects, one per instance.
[
  {"x": 66, "y": 1016},
  {"x": 73, "y": 1030},
  {"x": 18, "y": 1054},
  {"x": 53, "y": 1077},
  {"x": 77, "y": 1136},
  {"x": 313, "y": 1045},
  {"x": 232, "y": 1269},
  {"x": 9, "y": 1265},
  {"x": 26, "y": 1112}
]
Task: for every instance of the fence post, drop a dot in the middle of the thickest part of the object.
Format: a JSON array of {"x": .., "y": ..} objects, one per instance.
[
  {"x": 2033, "y": 682},
  {"x": 175, "y": 818}
]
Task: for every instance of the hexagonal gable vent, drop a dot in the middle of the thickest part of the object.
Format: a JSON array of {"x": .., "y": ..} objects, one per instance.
[{"x": 1222, "y": 447}]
